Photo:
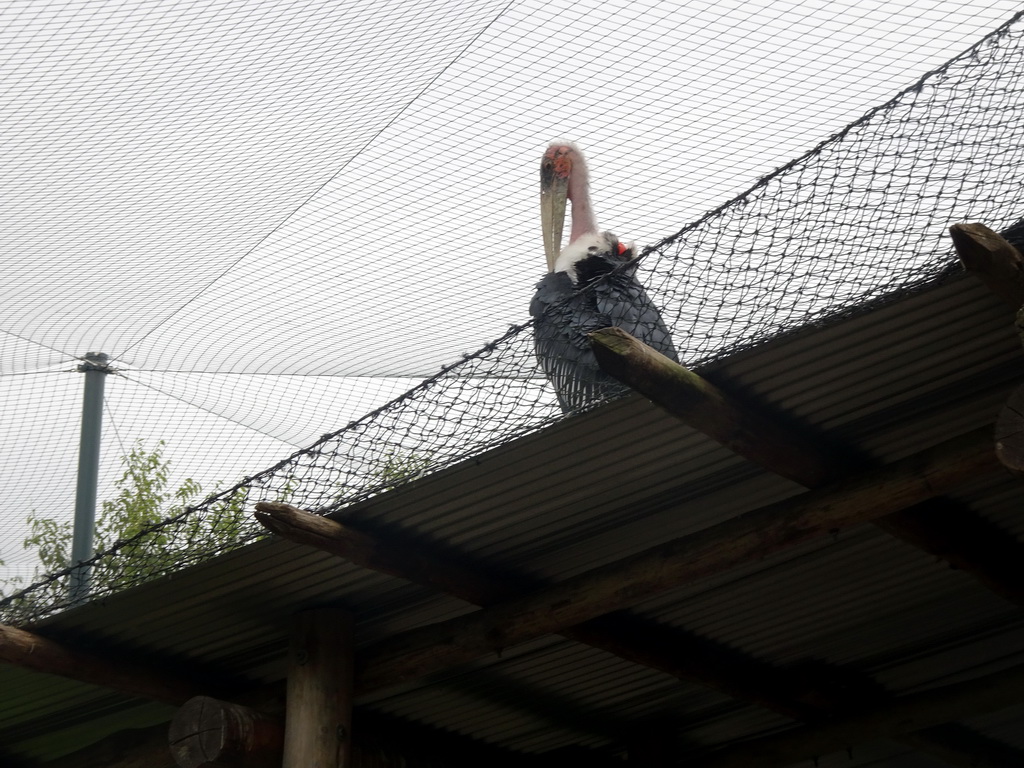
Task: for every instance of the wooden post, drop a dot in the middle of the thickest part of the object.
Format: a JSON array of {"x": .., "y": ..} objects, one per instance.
[{"x": 318, "y": 714}]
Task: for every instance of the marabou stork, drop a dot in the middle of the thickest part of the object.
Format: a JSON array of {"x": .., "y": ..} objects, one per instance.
[{"x": 564, "y": 313}]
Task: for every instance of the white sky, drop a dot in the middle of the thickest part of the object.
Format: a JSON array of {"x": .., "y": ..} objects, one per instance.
[{"x": 276, "y": 216}]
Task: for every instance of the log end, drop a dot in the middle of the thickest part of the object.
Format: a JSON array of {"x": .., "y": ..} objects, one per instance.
[
  {"x": 279, "y": 517},
  {"x": 207, "y": 732},
  {"x": 975, "y": 243},
  {"x": 613, "y": 347},
  {"x": 275, "y": 507},
  {"x": 634, "y": 363}
]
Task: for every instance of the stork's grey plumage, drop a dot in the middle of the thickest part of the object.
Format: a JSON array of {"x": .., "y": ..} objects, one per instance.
[{"x": 564, "y": 314}]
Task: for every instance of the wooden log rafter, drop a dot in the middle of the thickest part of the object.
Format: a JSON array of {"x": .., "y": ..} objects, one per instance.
[
  {"x": 752, "y": 536},
  {"x": 414, "y": 563},
  {"x": 32, "y": 651},
  {"x": 965, "y": 541}
]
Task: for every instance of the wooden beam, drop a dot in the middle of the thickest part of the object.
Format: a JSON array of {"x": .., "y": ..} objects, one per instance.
[
  {"x": 318, "y": 713},
  {"x": 708, "y": 409},
  {"x": 413, "y": 563},
  {"x": 699, "y": 661},
  {"x": 749, "y": 537},
  {"x": 906, "y": 714},
  {"x": 705, "y": 407},
  {"x": 32, "y": 651},
  {"x": 992, "y": 259}
]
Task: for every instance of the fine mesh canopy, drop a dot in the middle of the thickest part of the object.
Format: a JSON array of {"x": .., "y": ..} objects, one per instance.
[{"x": 317, "y": 226}]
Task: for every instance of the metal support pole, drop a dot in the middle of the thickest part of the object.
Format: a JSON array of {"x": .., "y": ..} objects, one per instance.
[{"x": 95, "y": 369}]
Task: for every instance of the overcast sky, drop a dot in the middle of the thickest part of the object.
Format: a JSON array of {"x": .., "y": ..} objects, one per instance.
[{"x": 276, "y": 216}]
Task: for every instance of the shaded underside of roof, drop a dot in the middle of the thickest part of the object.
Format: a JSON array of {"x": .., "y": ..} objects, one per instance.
[{"x": 597, "y": 487}]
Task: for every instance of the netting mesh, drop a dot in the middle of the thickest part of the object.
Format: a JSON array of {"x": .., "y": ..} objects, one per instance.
[{"x": 858, "y": 220}]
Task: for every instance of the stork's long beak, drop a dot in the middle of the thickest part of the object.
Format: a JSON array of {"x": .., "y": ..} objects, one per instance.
[{"x": 554, "y": 189}]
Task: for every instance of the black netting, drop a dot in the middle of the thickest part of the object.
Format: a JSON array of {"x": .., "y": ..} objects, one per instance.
[{"x": 860, "y": 219}]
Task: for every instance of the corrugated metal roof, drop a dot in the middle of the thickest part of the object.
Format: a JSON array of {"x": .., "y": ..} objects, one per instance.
[{"x": 598, "y": 487}]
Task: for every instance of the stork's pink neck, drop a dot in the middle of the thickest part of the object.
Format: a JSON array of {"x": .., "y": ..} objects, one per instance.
[{"x": 583, "y": 219}]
